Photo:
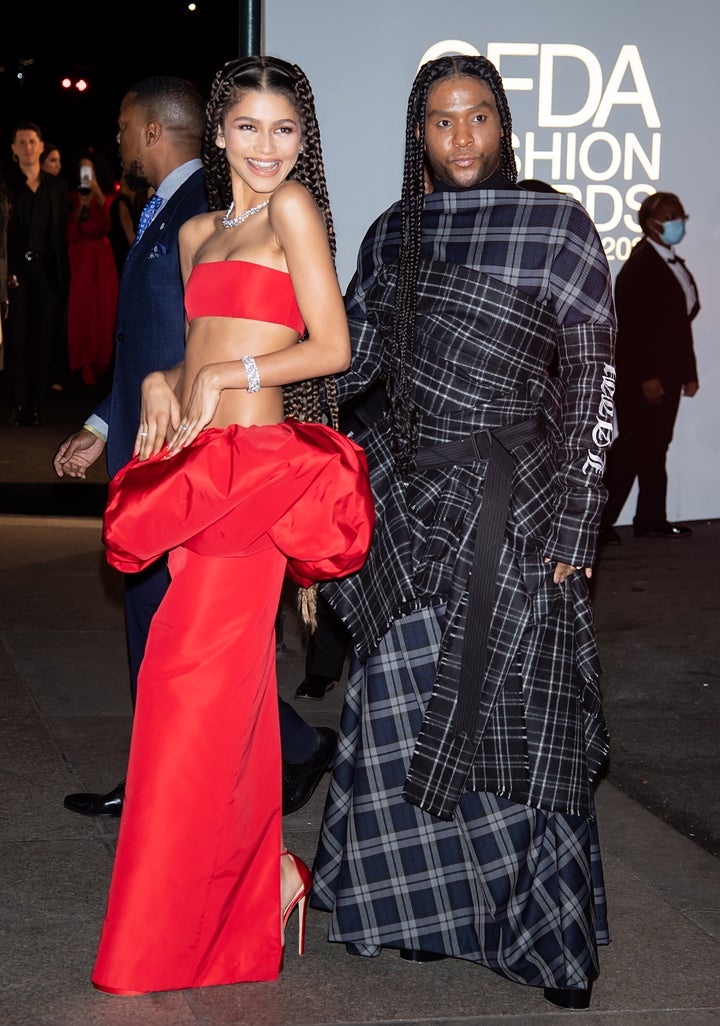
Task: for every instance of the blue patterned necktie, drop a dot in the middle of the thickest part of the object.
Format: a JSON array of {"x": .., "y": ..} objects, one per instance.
[{"x": 147, "y": 214}]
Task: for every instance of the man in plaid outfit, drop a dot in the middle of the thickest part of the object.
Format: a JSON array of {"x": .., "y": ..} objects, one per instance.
[{"x": 460, "y": 818}]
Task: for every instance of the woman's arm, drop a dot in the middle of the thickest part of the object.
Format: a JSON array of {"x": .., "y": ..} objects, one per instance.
[
  {"x": 161, "y": 390},
  {"x": 300, "y": 235}
]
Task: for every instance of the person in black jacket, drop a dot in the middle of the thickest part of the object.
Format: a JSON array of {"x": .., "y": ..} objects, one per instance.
[
  {"x": 656, "y": 301},
  {"x": 51, "y": 163},
  {"x": 38, "y": 270}
]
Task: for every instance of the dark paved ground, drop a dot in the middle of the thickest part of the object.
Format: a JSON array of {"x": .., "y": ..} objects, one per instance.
[{"x": 657, "y": 607}]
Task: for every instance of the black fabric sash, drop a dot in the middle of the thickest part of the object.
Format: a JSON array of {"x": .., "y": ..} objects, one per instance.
[{"x": 496, "y": 447}]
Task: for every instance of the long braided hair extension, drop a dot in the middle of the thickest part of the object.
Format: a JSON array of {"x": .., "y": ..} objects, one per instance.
[
  {"x": 302, "y": 399},
  {"x": 402, "y": 411}
]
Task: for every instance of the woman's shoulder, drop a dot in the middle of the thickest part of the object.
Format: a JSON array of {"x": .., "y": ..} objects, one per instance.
[
  {"x": 293, "y": 210},
  {"x": 195, "y": 232},
  {"x": 199, "y": 225},
  {"x": 291, "y": 195},
  {"x": 206, "y": 217}
]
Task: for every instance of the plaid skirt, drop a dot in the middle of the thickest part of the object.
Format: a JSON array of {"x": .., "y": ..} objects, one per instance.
[{"x": 513, "y": 888}]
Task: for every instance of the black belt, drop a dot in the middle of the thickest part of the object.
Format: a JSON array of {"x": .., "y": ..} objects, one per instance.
[
  {"x": 32, "y": 255},
  {"x": 496, "y": 447}
]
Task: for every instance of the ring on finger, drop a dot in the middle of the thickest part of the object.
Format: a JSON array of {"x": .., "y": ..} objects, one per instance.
[
  {"x": 143, "y": 434},
  {"x": 183, "y": 427}
]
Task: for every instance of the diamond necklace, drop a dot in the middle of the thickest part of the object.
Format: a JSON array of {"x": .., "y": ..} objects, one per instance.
[{"x": 233, "y": 222}]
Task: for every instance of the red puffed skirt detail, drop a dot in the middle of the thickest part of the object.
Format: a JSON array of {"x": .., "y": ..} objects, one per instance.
[{"x": 195, "y": 892}]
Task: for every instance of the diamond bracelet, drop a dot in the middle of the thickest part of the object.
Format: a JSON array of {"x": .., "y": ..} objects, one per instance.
[{"x": 253, "y": 375}]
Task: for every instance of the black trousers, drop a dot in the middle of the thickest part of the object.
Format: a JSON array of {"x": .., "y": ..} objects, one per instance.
[
  {"x": 32, "y": 314},
  {"x": 328, "y": 645},
  {"x": 640, "y": 451}
]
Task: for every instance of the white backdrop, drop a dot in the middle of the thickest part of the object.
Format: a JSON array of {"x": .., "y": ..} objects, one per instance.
[{"x": 610, "y": 102}]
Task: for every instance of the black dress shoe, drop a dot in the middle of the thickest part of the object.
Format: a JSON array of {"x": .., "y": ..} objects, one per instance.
[
  {"x": 314, "y": 687},
  {"x": 664, "y": 531},
  {"x": 90, "y": 804},
  {"x": 413, "y": 955},
  {"x": 17, "y": 417},
  {"x": 299, "y": 779},
  {"x": 608, "y": 536},
  {"x": 568, "y": 998}
]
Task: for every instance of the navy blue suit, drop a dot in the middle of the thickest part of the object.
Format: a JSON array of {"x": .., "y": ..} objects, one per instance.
[
  {"x": 150, "y": 330},
  {"x": 149, "y": 336}
]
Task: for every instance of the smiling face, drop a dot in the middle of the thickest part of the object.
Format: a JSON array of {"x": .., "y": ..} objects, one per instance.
[
  {"x": 462, "y": 131},
  {"x": 261, "y": 135}
]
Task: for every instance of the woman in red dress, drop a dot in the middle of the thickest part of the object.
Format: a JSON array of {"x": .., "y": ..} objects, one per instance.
[
  {"x": 92, "y": 301},
  {"x": 238, "y": 479}
]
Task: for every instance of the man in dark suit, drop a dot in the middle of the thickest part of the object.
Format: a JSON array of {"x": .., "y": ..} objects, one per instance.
[
  {"x": 38, "y": 269},
  {"x": 656, "y": 300},
  {"x": 160, "y": 130}
]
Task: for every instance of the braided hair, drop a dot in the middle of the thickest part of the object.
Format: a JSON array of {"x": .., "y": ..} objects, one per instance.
[
  {"x": 302, "y": 399},
  {"x": 402, "y": 411}
]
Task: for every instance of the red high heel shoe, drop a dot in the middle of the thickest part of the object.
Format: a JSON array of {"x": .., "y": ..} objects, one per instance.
[{"x": 299, "y": 898}]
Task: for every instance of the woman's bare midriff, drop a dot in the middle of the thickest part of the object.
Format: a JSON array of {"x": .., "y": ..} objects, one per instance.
[{"x": 222, "y": 339}]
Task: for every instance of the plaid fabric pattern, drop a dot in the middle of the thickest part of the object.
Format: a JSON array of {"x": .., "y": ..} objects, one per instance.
[
  {"x": 512, "y": 888},
  {"x": 507, "y": 278}
]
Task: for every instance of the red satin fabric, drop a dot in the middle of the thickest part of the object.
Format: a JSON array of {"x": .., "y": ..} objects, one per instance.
[
  {"x": 237, "y": 488},
  {"x": 195, "y": 893},
  {"x": 240, "y": 288}
]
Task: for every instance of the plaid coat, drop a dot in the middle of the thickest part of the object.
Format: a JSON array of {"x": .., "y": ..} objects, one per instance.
[{"x": 508, "y": 278}]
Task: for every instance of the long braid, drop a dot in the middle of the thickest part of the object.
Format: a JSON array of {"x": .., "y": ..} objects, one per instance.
[
  {"x": 303, "y": 399},
  {"x": 403, "y": 415},
  {"x": 402, "y": 411},
  {"x": 310, "y": 167},
  {"x": 218, "y": 183}
]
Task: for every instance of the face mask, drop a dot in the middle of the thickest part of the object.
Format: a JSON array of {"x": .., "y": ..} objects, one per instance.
[{"x": 673, "y": 232}]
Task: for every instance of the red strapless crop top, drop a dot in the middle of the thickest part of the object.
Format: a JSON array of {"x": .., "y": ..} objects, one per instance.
[{"x": 238, "y": 288}]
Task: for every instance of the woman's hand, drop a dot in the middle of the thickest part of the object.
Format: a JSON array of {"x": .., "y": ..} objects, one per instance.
[
  {"x": 200, "y": 409},
  {"x": 160, "y": 414}
]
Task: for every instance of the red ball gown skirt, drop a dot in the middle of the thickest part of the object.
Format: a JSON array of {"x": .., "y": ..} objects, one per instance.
[{"x": 195, "y": 892}]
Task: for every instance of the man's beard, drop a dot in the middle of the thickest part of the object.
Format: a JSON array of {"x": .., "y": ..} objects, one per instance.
[
  {"x": 135, "y": 179},
  {"x": 481, "y": 174}
]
